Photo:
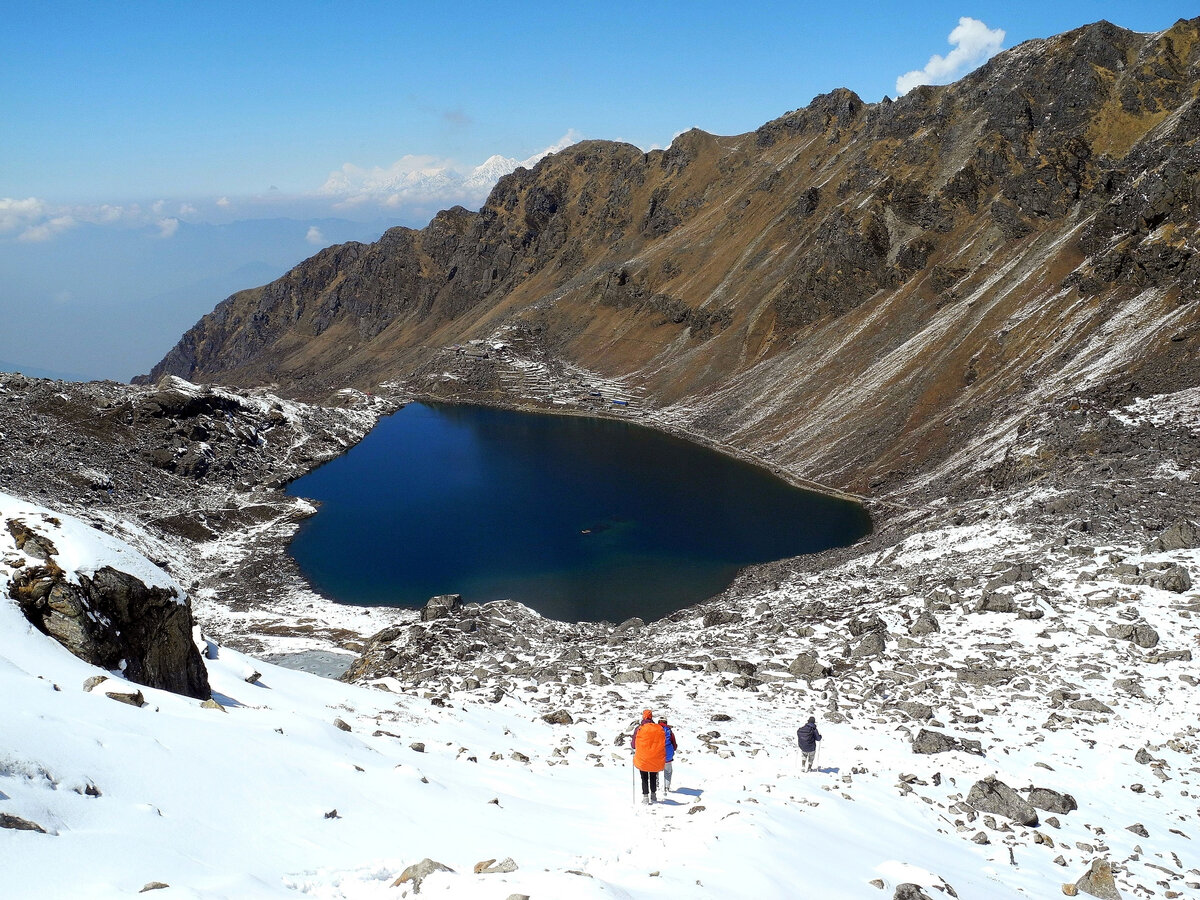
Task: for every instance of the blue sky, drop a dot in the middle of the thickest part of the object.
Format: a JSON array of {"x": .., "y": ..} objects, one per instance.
[{"x": 153, "y": 117}]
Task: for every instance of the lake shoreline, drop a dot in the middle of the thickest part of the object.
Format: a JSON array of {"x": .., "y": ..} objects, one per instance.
[{"x": 703, "y": 512}]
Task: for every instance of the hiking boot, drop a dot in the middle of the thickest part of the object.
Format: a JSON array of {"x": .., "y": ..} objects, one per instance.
[
  {"x": 654, "y": 798},
  {"x": 646, "y": 799}
]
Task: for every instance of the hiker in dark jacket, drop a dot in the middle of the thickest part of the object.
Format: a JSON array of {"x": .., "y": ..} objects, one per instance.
[
  {"x": 807, "y": 737},
  {"x": 672, "y": 746}
]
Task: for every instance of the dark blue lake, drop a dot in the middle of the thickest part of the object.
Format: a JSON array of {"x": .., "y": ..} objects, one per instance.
[{"x": 582, "y": 519}]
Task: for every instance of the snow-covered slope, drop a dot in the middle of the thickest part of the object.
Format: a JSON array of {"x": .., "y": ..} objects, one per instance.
[{"x": 241, "y": 803}]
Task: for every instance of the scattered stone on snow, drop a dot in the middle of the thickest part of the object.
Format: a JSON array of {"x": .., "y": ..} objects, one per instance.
[
  {"x": 994, "y": 796},
  {"x": 491, "y": 867},
  {"x": 18, "y": 824},
  {"x": 418, "y": 872},
  {"x": 929, "y": 742},
  {"x": 1098, "y": 881}
]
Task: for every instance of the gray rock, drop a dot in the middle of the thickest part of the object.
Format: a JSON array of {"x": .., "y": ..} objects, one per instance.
[
  {"x": 992, "y": 602},
  {"x": 1098, "y": 881},
  {"x": 994, "y": 796},
  {"x": 1052, "y": 801},
  {"x": 1142, "y": 634},
  {"x": 909, "y": 891},
  {"x": 418, "y": 872},
  {"x": 873, "y": 643},
  {"x": 1130, "y": 686},
  {"x": 925, "y": 623},
  {"x": 153, "y": 886},
  {"x": 731, "y": 666},
  {"x": 441, "y": 606},
  {"x": 929, "y": 742},
  {"x": 491, "y": 867},
  {"x": 809, "y": 667},
  {"x": 340, "y": 725},
  {"x": 1183, "y": 534},
  {"x": 1139, "y": 829},
  {"x": 559, "y": 717},
  {"x": 634, "y": 676},
  {"x": 986, "y": 677},
  {"x": 859, "y": 627},
  {"x": 1174, "y": 579},
  {"x": 109, "y": 617},
  {"x": 18, "y": 824},
  {"x": 131, "y": 697},
  {"x": 914, "y": 710},
  {"x": 1090, "y": 705}
]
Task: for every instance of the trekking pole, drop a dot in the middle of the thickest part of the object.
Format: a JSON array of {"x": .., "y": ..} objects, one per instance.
[
  {"x": 633, "y": 781},
  {"x": 817, "y": 764}
]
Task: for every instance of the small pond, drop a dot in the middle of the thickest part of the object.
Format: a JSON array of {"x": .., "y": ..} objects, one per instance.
[{"x": 582, "y": 519}]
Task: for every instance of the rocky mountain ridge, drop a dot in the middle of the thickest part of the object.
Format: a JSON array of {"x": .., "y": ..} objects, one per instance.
[{"x": 852, "y": 293}]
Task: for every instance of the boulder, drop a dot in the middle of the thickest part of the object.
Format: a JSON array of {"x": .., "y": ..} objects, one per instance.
[
  {"x": 929, "y": 742},
  {"x": 418, "y": 872},
  {"x": 1142, "y": 634},
  {"x": 112, "y": 620},
  {"x": 859, "y": 627},
  {"x": 1098, "y": 881},
  {"x": 491, "y": 867},
  {"x": 18, "y": 824},
  {"x": 809, "y": 667},
  {"x": 441, "y": 606},
  {"x": 731, "y": 666},
  {"x": 873, "y": 643},
  {"x": 986, "y": 677},
  {"x": 1183, "y": 534},
  {"x": 910, "y": 891},
  {"x": 1173, "y": 578},
  {"x": 992, "y": 602},
  {"x": 914, "y": 710},
  {"x": 714, "y": 617},
  {"x": 994, "y": 796},
  {"x": 559, "y": 717},
  {"x": 925, "y": 623},
  {"x": 1091, "y": 705},
  {"x": 1052, "y": 801}
]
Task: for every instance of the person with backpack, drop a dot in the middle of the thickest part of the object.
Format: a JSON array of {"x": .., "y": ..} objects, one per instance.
[
  {"x": 672, "y": 746},
  {"x": 649, "y": 754},
  {"x": 807, "y": 736}
]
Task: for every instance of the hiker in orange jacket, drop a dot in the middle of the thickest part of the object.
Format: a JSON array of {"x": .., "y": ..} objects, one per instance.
[{"x": 649, "y": 754}]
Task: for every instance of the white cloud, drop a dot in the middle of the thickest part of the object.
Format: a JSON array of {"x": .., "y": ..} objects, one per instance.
[
  {"x": 412, "y": 188},
  {"x": 17, "y": 214},
  {"x": 973, "y": 42},
  {"x": 47, "y": 229},
  {"x": 426, "y": 180}
]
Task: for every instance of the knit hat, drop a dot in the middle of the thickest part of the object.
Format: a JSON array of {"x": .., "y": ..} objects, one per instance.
[
  {"x": 647, "y": 714},
  {"x": 812, "y": 720}
]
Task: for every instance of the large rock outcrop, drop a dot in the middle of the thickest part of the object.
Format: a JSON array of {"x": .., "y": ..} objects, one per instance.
[{"x": 106, "y": 616}]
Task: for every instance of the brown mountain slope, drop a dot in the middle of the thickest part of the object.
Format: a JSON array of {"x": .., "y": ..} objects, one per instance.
[{"x": 859, "y": 293}]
